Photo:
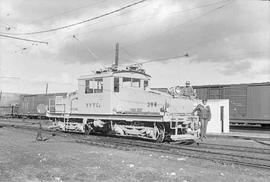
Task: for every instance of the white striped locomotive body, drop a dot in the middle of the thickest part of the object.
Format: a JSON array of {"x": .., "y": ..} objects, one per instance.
[{"x": 118, "y": 102}]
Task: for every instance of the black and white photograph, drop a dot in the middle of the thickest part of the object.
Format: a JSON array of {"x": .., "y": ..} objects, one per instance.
[{"x": 134, "y": 90}]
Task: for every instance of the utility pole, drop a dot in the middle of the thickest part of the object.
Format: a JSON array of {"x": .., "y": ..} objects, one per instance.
[
  {"x": 47, "y": 88},
  {"x": 0, "y": 96},
  {"x": 116, "y": 54}
]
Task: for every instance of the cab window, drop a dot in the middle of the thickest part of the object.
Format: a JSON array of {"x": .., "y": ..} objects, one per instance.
[
  {"x": 94, "y": 85},
  {"x": 145, "y": 84},
  {"x": 126, "y": 82},
  {"x": 116, "y": 84},
  {"x": 136, "y": 82}
]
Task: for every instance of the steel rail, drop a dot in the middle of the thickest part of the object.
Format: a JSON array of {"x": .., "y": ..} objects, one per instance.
[{"x": 233, "y": 148}]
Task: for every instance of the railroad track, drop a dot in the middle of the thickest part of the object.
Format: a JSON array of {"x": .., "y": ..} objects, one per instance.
[
  {"x": 250, "y": 129},
  {"x": 234, "y": 148},
  {"x": 259, "y": 162},
  {"x": 253, "y": 157}
]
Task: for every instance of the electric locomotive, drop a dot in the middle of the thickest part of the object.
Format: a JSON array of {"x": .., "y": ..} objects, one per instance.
[{"x": 119, "y": 102}]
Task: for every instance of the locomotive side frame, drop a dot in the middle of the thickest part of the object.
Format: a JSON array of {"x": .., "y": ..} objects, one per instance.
[{"x": 152, "y": 127}]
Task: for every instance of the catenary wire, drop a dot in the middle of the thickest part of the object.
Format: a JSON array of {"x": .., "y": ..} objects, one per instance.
[
  {"x": 68, "y": 11},
  {"x": 51, "y": 37},
  {"x": 117, "y": 15},
  {"x": 150, "y": 17},
  {"x": 163, "y": 59},
  {"x": 82, "y": 22},
  {"x": 127, "y": 53},
  {"x": 23, "y": 39},
  {"x": 87, "y": 48},
  {"x": 178, "y": 25},
  {"x": 206, "y": 5},
  {"x": 51, "y": 17},
  {"x": 190, "y": 21},
  {"x": 183, "y": 24}
]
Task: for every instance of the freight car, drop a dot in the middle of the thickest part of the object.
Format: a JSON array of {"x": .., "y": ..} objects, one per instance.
[
  {"x": 118, "y": 101},
  {"x": 9, "y": 104},
  {"x": 35, "y": 105},
  {"x": 249, "y": 103},
  {"x": 9, "y": 111}
]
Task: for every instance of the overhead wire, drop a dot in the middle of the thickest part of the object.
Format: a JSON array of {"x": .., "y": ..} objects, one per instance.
[
  {"x": 82, "y": 22},
  {"x": 163, "y": 59},
  {"x": 51, "y": 37},
  {"x": 87, "y": 48},
  {"x": 68, "y": 11},
  {"x": 23, "y": 39},
  {"x": 184, "y": 10},
  {"x": 119, "y": 14},
  {"x": 149, "y": 17},
  {"x": 127, "y": 53},
  {"x": 238, "y": 56},
  {"x": 31, "y": 40},
  {"x": 185, "y": 55},
  {"x": 190, "y": 21},
  {"x": 91, "y": 52},
  {"x": 8, "y": 26},
  {"x": 185, "y": 23},
  {"x": 205, "y": 5},
  {"x": 9, "y": 77}
]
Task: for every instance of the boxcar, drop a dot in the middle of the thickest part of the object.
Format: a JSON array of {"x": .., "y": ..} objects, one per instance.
[
  {"x": 9, "y": 99},
  {"x": 31, "y": 105},
  {"x": 249, "y": 103},
  {"x": 9, "y": 104},
  {"x": 9, "y": 111}
]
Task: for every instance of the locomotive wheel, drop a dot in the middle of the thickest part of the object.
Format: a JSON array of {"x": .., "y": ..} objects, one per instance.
[{"x": 161, "y": 133}]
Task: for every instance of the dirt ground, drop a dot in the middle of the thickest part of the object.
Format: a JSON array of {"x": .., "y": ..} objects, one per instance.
[{"x": 62, "y": 159}]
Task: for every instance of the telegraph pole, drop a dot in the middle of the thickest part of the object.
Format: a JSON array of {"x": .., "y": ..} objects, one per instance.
[
  {"x": 116, "y": 54},
  {"x": 47, "y": 88},
  {"x": 0, "y": 96}
]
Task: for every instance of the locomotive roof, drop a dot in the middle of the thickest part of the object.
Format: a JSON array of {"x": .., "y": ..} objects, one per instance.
[{"x": 122, "y": 73}]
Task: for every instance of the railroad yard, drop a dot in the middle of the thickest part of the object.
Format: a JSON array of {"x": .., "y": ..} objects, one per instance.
[
  {"x": 134, "y": 91},
  {"x": 77, "y": 157}
]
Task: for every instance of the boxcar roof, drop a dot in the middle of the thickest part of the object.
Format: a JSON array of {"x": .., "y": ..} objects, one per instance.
[
  {"x": 228, "y": 85},
  {"x": 219, "y": 85},
  {"x": 49, "y": 94}
]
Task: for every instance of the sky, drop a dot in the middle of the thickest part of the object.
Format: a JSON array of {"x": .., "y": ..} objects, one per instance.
[{"x": 228, "y": 41}]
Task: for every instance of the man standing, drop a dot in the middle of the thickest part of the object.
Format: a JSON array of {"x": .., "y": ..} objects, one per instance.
[
  {"x": 188, "y": 90},
  {"x": 39, "y": 136},
  {"x": 204, "y": 114}
]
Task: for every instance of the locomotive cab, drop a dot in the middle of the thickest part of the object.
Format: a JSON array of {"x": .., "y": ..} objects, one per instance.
[{"x": 104, "y": 91}]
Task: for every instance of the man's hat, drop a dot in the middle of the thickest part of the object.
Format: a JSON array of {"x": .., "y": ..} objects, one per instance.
[{"x": 187, "y": 82}]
